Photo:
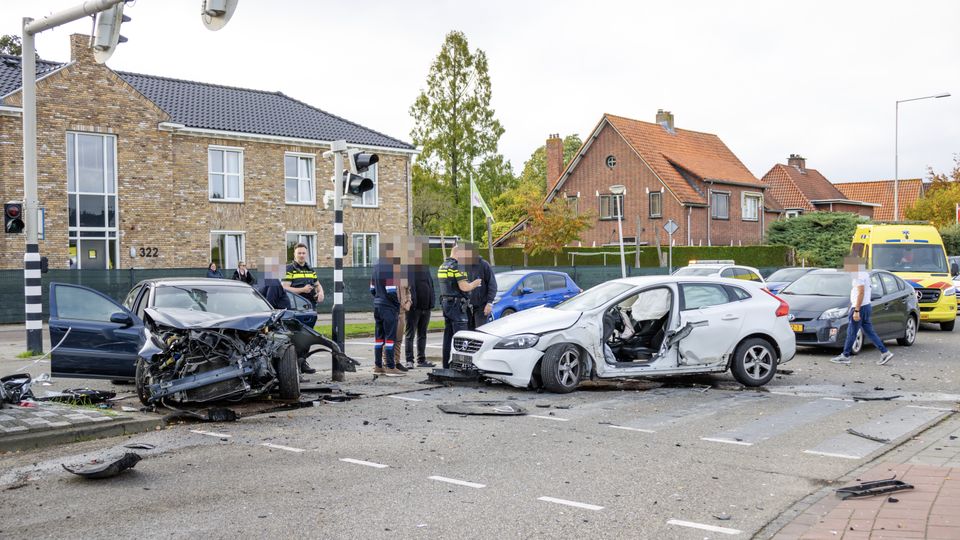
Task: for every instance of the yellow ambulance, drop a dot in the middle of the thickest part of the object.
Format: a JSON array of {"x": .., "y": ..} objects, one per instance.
[{"x": 914, "y": 252}]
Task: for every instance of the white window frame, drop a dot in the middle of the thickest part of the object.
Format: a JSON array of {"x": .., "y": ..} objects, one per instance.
[
  {"x": 109, "y": 235},
  {"x": 659, "y": 197},
  {"x": 313, "y": 179},
  {"x": 311, "y": 243},
  {"x": 372, "y": 173},
  {"x": 374, "y": 256},
  {"x": 615, "y": 206},
  {"x": 743, "y": 205},
  {"x": 792, "y": 214},
  {"x": 240, "y": 256},
  {"x": 239, "y": 174},
  {"x": 713, "y": 208}
]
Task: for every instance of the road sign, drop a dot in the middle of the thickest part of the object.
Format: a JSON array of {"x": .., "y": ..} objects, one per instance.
[{"x": 670, "y": 226}]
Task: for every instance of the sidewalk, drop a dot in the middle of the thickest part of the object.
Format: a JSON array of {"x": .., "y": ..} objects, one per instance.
[
  {"x": 930, "y": 510},
  {"x": 26, "y": 428}
]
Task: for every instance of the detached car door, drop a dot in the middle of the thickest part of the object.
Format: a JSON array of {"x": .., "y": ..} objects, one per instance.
[
  {"x": 101, "y": 338},
  {"x": 716, "y": 320}
]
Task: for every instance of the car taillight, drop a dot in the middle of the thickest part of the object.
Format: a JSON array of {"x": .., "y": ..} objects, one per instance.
[{"x": 783, "y": 309}]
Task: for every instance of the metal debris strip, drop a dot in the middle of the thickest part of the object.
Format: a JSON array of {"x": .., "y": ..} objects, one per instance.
[
  {"x": 104, "y": 468},
  {"x": 139, "y": 446},
  {"x": 866, "y": 436},
  {"x": 875, "y": 398},
  {"x": 453, "y": 375},
  {"x": 483, "y": 408},
  {"x": 873, "y": 487}
]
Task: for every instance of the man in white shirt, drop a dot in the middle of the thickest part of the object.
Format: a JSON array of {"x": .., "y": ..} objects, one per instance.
[{"x": 860, "y": 312}]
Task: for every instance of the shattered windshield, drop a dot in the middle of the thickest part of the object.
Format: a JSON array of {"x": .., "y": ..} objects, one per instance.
[
  {"x": 222, "y": 300},
  {"x": 595, "y": 297}
]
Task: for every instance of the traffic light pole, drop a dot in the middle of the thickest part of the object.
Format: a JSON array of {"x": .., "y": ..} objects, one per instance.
[{"x": 337, "y": 150}]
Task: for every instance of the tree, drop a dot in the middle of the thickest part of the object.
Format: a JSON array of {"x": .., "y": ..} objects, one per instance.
[
  {"x": 453, "y": 120},
  {"x": 940, "y": 201},
  {"x": 552, "y": 227},
  {"x": 951, "y": 238},
  {"x": 10, "y": 44},
  {"x": 432, "y": 203},
  {"x": 820, "y": 238}
]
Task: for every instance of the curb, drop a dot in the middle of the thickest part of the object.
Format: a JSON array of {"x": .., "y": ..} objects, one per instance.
[{"x": 33, "y": 441}]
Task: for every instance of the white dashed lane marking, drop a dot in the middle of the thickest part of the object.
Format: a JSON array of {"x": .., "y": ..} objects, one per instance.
[
  {"x": 457, "y": 482},
  {"x": 575, "y": 504},
  {"x": 701, "y": 526},
  {"x": 211, "y": 433},
  {"x": 641, "y": 430},
  {"x": 366, "y": 463},
  {"x": 404, "y": 398},
  {"x": 281, "y": 447},
  {"x": 548, "y": 418}
]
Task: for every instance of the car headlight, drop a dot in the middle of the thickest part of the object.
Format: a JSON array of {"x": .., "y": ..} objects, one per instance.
[
  {"x": 950, "y": 291},
  {"x": 835, "y": 313},
  {"x": 519, "y": 341}
]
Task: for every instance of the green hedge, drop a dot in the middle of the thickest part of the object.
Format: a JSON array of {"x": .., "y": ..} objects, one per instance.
[{"x": 758, "y": 256}]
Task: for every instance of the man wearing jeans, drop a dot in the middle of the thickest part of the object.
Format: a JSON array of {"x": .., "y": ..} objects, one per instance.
[{"x": 860, "y": 311}]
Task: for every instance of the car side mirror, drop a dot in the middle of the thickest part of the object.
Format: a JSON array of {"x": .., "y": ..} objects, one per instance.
[
  {"x": 954, "y": 269},
  {"x": 526, "y": 290},
  {"x": 121, "y": 319}
]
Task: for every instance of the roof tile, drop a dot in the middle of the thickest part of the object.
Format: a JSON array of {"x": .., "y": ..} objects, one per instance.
[{"x": 881, "y": 192}]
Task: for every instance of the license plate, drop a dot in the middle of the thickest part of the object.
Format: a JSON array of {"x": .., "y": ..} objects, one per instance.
[
  {"x": 796, "y": 327},
  {"x": 462, "y": 358}
]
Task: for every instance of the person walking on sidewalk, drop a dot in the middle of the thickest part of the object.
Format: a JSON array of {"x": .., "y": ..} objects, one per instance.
[
  {"x": 454, "y": 290},
  {"x": 860, "y": 313},
  {"x": 386, "y": 310},
  {"x": 422, "y": 295}
]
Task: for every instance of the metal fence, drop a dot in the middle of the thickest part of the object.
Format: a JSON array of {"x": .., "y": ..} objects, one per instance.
[{"x": 356, "y": 295}]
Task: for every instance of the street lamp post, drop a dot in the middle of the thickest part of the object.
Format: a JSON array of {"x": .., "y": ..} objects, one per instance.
[
  {"x": 620, "y": 192},
  {"x": 896, "y": 148}
]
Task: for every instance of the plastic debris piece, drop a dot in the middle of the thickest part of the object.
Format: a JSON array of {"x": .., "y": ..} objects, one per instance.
[
  {"x": 104, "y": 468},
  {"x": 139, "y": 446}
]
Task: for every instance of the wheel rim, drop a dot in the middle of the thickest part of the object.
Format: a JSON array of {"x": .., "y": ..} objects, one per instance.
[
  {"x": 568, "y": 367},
  {"x": 858, "y": 343},
  {"x": 758, "y": 362},
  {"x": 911, "y": 330}
]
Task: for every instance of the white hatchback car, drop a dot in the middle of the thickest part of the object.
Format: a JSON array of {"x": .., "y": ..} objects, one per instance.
[
  {"x": 635, "y": 327},
  {"x": 727, "y": 269}
]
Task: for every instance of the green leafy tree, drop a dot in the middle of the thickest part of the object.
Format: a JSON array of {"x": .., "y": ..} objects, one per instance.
[
  {"x": 10, "y": 44},
  {"x": 819, "y": 238},
  {"x": 454, "y": 122},
  {"x": 551, "y": 227},
  {"x": 432, "y": 203},
  {"x": 940, "y": 201},
  {"x": 951, "y": 238}
]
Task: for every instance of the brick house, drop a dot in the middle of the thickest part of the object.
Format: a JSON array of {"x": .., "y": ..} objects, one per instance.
[
  {"x": 799, "y": 190},
  {"x": 880, "y": 192},
  {"x": 669, "y": 173},
  {"x": 152, "y": 172}
]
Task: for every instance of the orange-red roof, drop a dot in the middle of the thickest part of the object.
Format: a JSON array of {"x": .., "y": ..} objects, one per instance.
[
  {"x": 794, "y": 188},
  {"x": 881, "y": 192}
]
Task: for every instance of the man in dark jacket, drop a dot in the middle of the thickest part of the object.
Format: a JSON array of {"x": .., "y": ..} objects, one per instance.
[
  {"x": 422, "y": 299},
  {"x": 386, "y": 310},
  {"x": 481, "y": 298}
]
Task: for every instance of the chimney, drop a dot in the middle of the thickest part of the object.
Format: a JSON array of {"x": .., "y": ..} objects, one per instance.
[
  {"x": 554, "y": 157},
  {"x": 80, "y": 50},
  {"x": 665, "y": 119},
  {"x": 798, "y": 161}
]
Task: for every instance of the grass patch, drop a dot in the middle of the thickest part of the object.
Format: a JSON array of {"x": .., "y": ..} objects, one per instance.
[
  {"x": 365, "y": 329},
  {"x": 28, "y": 354}
]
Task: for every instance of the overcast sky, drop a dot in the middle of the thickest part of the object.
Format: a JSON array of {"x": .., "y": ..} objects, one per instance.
[{"x": 819, "y": 78}]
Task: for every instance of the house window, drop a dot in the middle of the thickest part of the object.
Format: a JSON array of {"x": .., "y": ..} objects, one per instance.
[
  {"x": 720, "y": 205},
  {"x": 656, "y": 204},
  {"x": 611, "y": 206},
  {"x": 611, "y": 161},
  {"x": 366, "y": 248},
  {"x": 750, "y": 206},
  {"x": 92, "y": 200},
  {"x": 793, "y": 213},
  {"x": 573, "y": 202},
  {"x": 226, "y": 248},
  {"x": 369, "y": 198},
  {"x": 298, "y": 174},
  {"x": 225, "y": 172},
  {"x": 306, "y": 238}
]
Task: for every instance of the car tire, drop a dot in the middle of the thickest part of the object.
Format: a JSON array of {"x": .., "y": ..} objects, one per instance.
[
  {"x": 508, "y": 311},
  {"x": 562, "y": 368},
  {"x": 857, "y": 344},
  {"x": 947, "y": 326},
  {"x": 288, "y": 375},
  {"x": 754, "y": 362},
  {"x": 141, "y": 380},
  {"x": 909, "y": 332}
]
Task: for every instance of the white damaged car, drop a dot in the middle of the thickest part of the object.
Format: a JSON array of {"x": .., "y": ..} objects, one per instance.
[{"x": 635, "y": 327}]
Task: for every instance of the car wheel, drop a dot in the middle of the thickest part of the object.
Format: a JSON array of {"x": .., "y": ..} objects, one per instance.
[
  {"x": 947, "y": 326},
  {"x": 288, "y": 375},
  {"x": 143, "y": 381},
  {"x": 909, "y": 332},
  {"x": 508, "y": 311},
  {"x": 754, "y": 362},
  {"x": 857, "y": 344},
  {"x": 562, "y": 368}
]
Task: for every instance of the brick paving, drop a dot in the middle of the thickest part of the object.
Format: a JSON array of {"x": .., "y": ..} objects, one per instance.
[
  {"x": 46, "y": 416},
  {"x": 930, "y": 510}
]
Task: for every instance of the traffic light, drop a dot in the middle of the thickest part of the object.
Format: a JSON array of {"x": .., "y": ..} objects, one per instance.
[
  {"x": 216, "y": 13},
  {"x": 359, "y": 162},
  {"x": 13, "y": 218},
  {"x": 107, "y": 36}
]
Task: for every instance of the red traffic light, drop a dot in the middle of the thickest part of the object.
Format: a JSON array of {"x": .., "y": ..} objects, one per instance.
[
  {"x": 13, "y": 210},
  {"x": 13, "y": 218}
]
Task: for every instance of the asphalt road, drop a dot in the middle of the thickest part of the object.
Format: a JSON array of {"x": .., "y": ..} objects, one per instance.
[{"x": 653, "y": 460}]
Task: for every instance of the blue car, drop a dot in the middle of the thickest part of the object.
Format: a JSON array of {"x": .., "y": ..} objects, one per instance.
[
  {"x": 525, "y": 289},
  {"x": 785, "y": 276}
]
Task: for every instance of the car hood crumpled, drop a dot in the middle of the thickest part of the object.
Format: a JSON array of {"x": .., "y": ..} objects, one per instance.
[
  {"x": 185, "y": 319},
  {"x": 532, "y": 321}
]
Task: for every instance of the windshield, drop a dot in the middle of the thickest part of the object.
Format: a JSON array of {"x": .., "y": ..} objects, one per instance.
[
  {"x": 222, "y": 300},
  {"x": 506, "y": 280},
  {"x": 595, "y": 297},
  {"x": 910, "y": 258},
  {"x": 696, "y": 271},
  {"x": 787, "y": 274},
  {"x": 816, "y": 284}
]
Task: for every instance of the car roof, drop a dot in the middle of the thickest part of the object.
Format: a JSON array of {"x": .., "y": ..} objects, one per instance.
[
  {"x": 528, "y": 272},
  {"x": 655, "y": 280},
  {"x": 194, "y": 281},
  {"x": 842, "y": 271}
]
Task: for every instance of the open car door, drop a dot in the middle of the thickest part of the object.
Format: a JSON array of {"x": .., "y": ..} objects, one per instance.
[{"x": 102, "y": 337}]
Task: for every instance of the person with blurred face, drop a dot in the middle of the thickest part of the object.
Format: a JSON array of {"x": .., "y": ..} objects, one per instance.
[
  {"x": 860, "y": 313},
  {"x": 454, "y": 299},
  {"x": 422, "y": 295},
  {"x": 386, "y": 312}
]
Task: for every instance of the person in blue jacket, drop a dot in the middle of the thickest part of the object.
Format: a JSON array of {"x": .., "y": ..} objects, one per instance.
[
  {"x": 386, "y": 310},
  {"x": 214, "y": 272}
]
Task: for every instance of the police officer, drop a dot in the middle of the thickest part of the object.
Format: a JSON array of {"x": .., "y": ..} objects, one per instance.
[
  {"x": 302, "y": 280},
  {"x": 453, "y": 298}
]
